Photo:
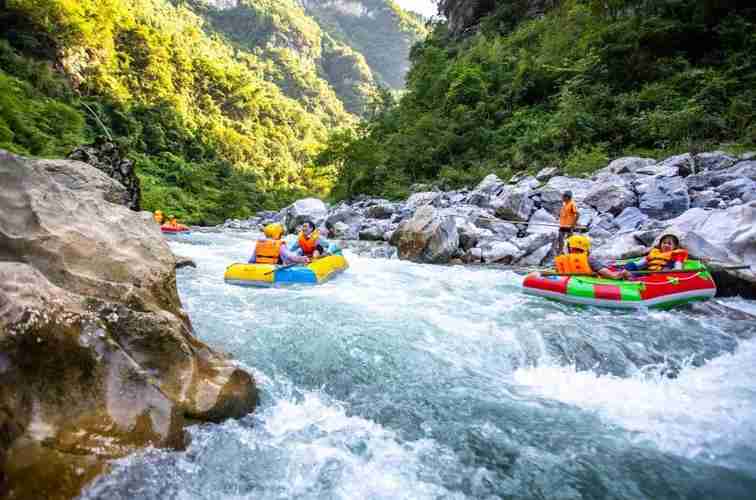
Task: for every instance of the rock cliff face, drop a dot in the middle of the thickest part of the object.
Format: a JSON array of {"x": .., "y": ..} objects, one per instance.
[
  {"x": 465, "y": 14},
  {"x": 97, "y": 358},
  {"x": 106, "y": 156}
]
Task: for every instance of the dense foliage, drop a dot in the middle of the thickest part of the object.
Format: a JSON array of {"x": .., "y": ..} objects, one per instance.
[
  {"x": 588, "y": 81},
  {"x": 223, "y": 111}
]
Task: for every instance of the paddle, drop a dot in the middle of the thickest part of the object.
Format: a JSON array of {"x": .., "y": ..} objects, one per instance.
[
  {"x": 547, "y": 224},
  {"x": 668, "y": 271}
]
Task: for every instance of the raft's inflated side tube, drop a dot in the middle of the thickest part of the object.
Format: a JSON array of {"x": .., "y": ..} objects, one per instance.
[
  {"x": 659, "y": 291},
  {"x": 314, "y": 273},
  {"x": 180, "y": 228}
]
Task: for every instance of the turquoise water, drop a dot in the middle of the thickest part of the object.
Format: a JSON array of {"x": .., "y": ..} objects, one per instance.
[{"x": 399, "y": 380}]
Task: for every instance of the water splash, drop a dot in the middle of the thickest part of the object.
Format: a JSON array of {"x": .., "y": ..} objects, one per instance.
[{"x": 400, "y": 380}]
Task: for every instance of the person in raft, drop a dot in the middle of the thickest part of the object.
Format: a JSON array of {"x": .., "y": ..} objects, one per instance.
[
  {"x": 666, "y": 254},
  {"x": 309, "y": 243},
  {"x": 568, "y": 216},
  {"x": 272, "y": 249},
  {"x": 579, "y": 260},
  {"x": 172, "y": 221},
  {"x": 158, "y": 216}
]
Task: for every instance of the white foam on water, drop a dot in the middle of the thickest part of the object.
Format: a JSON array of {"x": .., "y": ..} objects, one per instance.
[
  {"x": 705, "y": 413},
  {"x": 369, "y": 461}
]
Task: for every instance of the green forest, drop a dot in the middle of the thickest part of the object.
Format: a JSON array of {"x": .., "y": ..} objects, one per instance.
[
  {"x": 587, "y": 82},
  {"x": 224, "y": 112}
]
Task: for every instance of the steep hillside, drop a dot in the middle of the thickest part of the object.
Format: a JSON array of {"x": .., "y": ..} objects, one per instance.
[
  {"x": 210, "y": 135},
  {"x": 517, "y": 85},
  {"x": 306, "y": 63},
  {"x": 378, "y": 29},
  {"x": 223, "y": 104}
]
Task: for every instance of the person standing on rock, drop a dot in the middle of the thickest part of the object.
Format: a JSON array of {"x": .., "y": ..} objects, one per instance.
[{"x": 568, "y": 216}]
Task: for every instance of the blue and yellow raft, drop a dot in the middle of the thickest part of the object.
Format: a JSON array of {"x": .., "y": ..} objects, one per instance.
[{"x": 266, "y": 275}]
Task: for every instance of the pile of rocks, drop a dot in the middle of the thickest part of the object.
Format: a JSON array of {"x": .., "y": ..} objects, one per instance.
[{"x": 710, "y": 198}]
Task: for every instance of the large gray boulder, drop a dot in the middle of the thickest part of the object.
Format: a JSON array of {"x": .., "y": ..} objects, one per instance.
[
  {"x": 426, "y": 237},
  {"x": 706, "y": 199},
  {"x": 741, "y": 188},
  {"x": 546, "y": 173},
  {"x": 374, "y": 230},
  {"x": 499, "y": 251},
  {"x": 623, "y": 246},
  {"x": 663, "y": 197},
  {"x": 422, "y": 199},
  {"x": 311, "y": 209},
  {"x": 709, "y": 179},
  {"x": 726, "y": 235},
  {"x": 630, "y": 219},
  {"x": 502, "y": 230},
  {"x": 551, "y": 194},
  {"x": 513, "y": 203},
  {"x": 346, "y": 222},
  {"x": 542, "y": 222},
  {"x": 489, "y": 187},
  {"x": 611, "y": 194},
  {"x": 679, "y": 165},
  {"x": 626, "y": 165},
  {"x": 715, "y": 160},
  {"x": 744, "y": 169},
  {"x": 381, "y": 211},
  {"x": 97, "y": 357}
]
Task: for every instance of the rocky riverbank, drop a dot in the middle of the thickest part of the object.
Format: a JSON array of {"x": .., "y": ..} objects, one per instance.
[
  {"x": 709, "y": 198},
  {"x": 97, "y": 356}
]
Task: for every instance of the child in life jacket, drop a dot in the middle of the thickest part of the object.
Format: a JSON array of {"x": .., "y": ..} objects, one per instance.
[
  {"x": 579, "y": 260},
  {"x": 665, "y": 255},
  {"x": 309, "y": 243},
  {"x": 272, "y": 249}
]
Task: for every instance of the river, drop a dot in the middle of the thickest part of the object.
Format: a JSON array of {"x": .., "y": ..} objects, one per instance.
[{"x": 398, "y": 380}]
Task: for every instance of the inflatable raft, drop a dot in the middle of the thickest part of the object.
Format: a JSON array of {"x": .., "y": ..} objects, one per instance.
[
  {"x": 267, "y": 275},
  {"x": 661, "y": 291},
  {"x": 180, "y": 228}
]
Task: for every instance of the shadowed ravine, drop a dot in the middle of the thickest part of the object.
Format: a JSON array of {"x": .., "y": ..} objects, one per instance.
[{"x": 399, "y": 380}]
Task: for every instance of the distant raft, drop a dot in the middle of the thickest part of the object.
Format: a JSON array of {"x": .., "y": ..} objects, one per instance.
[
  {"x": 267, "y": 275},
  {"x": 661, "y": 291},
  {"x": 178, "y": 228}
]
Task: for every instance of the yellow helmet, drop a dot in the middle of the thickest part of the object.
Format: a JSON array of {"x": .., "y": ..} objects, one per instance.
[
  {"x": 158, "y": 212},
  {"x": 579, "y": 241},
  {"x": 274, "y": 230}
]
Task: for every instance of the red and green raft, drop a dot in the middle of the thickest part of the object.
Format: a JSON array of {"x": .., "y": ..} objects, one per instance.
[{"x": 660, "y": 290}]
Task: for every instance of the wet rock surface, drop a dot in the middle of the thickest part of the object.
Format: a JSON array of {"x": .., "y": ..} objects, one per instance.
[{"x": 97, "y": 357}]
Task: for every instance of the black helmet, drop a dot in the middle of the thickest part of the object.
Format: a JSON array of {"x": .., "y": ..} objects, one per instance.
[{"x": 567, "y": 194}]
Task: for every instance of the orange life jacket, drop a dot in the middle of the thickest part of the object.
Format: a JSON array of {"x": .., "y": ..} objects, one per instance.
[
  {"x": 568, "y": 215},
  {"x": 573, "y": 263},
  {"x": 308, "y": 245},
  {"x": 658, "y": 260},
  {"x": 268, "y": 251}
]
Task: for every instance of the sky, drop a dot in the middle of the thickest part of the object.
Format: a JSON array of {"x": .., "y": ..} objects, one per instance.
[{"x": 425, "y": 7}]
